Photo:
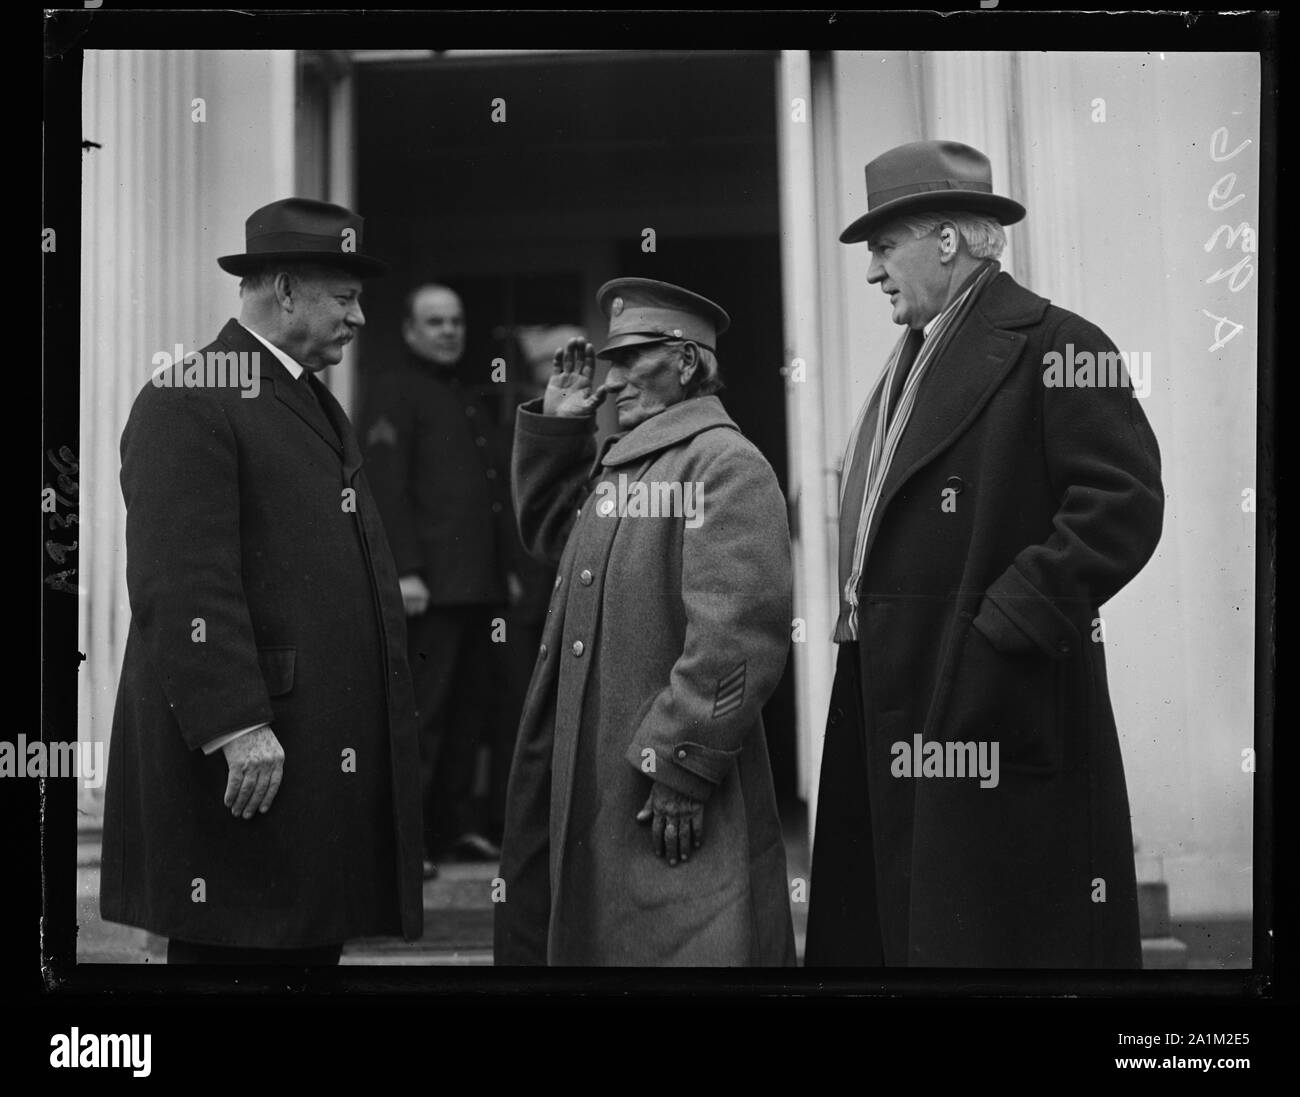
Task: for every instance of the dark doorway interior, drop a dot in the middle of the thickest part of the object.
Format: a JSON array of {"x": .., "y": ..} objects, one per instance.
[{"x": 526, "y": 218}]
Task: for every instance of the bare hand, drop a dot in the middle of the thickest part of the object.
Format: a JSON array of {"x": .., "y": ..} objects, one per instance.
[
  {"x": 415, "y": 595},
  {"x": 676, "y": 822},
  {"x": 256, "y": 762},
  {"x": 568, "y": 392}
]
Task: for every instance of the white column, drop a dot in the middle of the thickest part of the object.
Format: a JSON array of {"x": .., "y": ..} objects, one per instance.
[
  {"x": 166, "y": 192},
  {"x": 967, "y": 96},
  {"x": 805, "y": 427},
  {"x": 342, "y": 379}
]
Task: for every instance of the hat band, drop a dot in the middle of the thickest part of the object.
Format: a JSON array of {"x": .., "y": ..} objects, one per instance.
[
  {"x": 296, "y": 241},
  {"x": 888, "y": 194}
]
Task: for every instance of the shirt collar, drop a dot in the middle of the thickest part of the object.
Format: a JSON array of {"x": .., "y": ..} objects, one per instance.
[{"x": 295, "y": 370}]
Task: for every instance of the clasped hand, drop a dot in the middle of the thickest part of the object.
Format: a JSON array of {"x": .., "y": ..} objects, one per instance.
[
  {"x": 676, "y": 822},
  {"x": 256, "y": 765}
]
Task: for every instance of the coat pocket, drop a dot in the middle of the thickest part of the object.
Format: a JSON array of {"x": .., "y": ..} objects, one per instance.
[
  {"x": 1013, "y": 700},
  {"x": 277, "y": 669}
]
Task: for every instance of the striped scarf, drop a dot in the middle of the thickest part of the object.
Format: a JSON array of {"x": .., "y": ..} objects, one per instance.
[{"x": 872, "y": 445}]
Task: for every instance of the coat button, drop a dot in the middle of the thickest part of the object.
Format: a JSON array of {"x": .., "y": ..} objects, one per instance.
[
  {"x": 542, "y": 651},
  {"x": 955, "y": 482},
  {"x": 496, "y": 508},
  {"x": 837, "y": 714},
  {"x": 586, "y": 577},
  {"x": 579, "y": 512},
  {"x": 1063, "y": 646},
  {"x": 558, "y": 580},
  {"x": 681, "y": 753},
  {"x": 491, "y": 474},
  {"x": 471, "y": 412},
  {"x": 578, "y": 649},
  {"x": 480, "y": 441}
]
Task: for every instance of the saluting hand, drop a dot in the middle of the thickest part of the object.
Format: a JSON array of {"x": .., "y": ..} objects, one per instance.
[
  {"x": 568, "y": 392},
  {"x": 676, "y": 822},
  {"x": 256, "y": 762}
]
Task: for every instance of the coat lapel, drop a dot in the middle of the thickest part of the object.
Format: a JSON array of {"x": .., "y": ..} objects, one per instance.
[
  {"x": 961, "y": 381},
  {"x": 289, "y": 392},
  {"x": 343, "y": 427}
]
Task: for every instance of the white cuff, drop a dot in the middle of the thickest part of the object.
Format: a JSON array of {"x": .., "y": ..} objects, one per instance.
[{"x": 215, "y": 745}]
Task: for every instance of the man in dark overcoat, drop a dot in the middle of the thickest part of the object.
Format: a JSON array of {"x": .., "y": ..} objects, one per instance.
[
  {"x": 1001, "y": 484},
  {"x": 641, "y": 821},
  {"x": 442, "y": 486},
  {"x": 262, "y": 802}
]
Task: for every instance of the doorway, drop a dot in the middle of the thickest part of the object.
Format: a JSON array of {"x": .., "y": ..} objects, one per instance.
[{"x": 525, "y": 182}]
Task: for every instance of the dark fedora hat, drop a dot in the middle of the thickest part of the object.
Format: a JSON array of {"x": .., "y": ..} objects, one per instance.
[
  {"x": 929, "y": 175},
  {"x": 306, "y": 231}
]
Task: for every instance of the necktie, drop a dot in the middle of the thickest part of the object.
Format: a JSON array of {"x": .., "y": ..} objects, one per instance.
[
  {"x": 906, "y": 358},
  {"x": 306, "y": 382}
]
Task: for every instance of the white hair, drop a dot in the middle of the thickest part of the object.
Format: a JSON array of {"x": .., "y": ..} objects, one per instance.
[
  {"x": 707, "y": 379},
  {"x": 984, "y": 237},
  {"x": 261, "y": 279}
]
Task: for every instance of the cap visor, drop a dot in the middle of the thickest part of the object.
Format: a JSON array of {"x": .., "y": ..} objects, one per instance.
[{"x": 631, "y": 339}]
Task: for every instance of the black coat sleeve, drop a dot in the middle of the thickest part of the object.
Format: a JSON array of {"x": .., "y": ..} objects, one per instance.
[
  {"x": 1104, "y": 464},
  {"x": 180, "y": 482}
]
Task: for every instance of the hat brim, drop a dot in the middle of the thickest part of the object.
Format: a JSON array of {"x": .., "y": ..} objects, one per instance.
[
  {"x": 1005, "y": 210},
  {"x": 363, "y": 265}
]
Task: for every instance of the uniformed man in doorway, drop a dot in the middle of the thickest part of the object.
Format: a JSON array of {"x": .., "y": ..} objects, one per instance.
[{"x": 442, "y": 489}]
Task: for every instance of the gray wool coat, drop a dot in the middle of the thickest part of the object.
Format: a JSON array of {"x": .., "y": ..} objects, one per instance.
[{"x": 664, "y": 638}]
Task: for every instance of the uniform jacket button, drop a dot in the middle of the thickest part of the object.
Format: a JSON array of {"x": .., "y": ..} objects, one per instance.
[
  {"x": 470, "y": 411},
  {"x": 480, "y": 440},
  {"x": 586, "y": 577},
  {"x": 681, "y": 753},
  {"x": 491, "y": 474},
  {"x": 558, "y": 580},
  {"x": 496, "y": 508},
  {"x": 956, "y": 483},
  {"x": 837, "y": 714},
  {"x": 578, "y": 648},
  {"x": 1063, "y": 646},
  {"x": 542, "y": 651}
]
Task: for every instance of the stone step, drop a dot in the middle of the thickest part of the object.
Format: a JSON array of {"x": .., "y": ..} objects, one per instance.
[
  {"x": 1163, "y": 952},
  {"x": 414, "y": 956}
]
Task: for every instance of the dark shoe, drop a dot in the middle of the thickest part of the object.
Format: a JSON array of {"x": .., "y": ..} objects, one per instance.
[
  {"x": 430, "y": 870},
  {"x": 474, "y": 847}
]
